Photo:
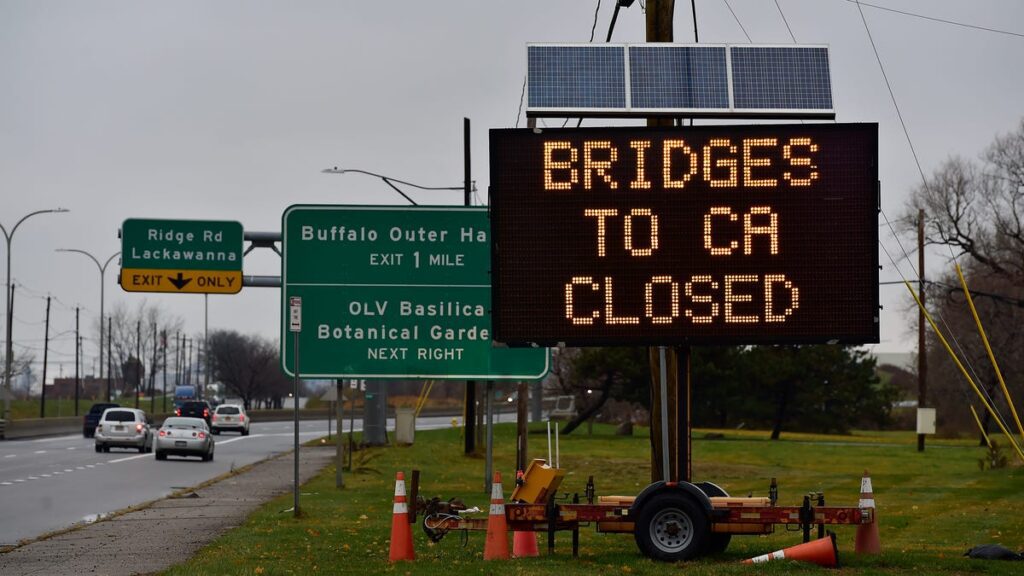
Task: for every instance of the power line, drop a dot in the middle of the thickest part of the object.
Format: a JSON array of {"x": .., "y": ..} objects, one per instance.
[
  {"x": 786, "y": 22},
  {"x": 735, "y": 17},
  {"x": 891, "y": 95},
  {"x": 594, "y": 27},
  {"x": 935, "y": 19}
]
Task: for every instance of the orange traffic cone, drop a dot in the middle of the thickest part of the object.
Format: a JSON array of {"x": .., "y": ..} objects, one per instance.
[
  {"x": 867, "y": 534},
  {"x": 496, "y": 547},
  {"x": 524, "y": 543},
  {"x": 401, "y": 530},
  {"x": 822, "y": 552}
]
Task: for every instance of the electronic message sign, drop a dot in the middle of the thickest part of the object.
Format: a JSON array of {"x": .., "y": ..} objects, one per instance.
[{"x": 710, "y": 234}]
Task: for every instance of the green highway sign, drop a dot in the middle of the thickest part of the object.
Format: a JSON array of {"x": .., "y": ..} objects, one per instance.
[
  {"x": 394, "y": 292},
  {"x": 191, "y": 256}
]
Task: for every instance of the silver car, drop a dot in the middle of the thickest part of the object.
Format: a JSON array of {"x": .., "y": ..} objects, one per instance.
[
  {"x": 181, "y": 436},
  {"x": 123, "y": 428},
  {"x": 230, "y": 417}
]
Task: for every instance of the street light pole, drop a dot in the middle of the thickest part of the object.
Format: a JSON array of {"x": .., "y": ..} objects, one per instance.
[
  {"x": 9, "y": 308},
  {"x": 103, "y": 269}
]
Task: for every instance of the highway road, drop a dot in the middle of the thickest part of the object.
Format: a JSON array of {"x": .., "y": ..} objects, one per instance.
[{"x": 51, "y": 483}]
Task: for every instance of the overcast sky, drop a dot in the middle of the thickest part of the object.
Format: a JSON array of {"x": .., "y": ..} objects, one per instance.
[{"x": 228, "y": 110}]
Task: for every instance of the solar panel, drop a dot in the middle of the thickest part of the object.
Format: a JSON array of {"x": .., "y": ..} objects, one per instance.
[
  {"x": 678, "y": 77},
  {"x": 577, "y": 77},
  {"x": 780, "y": 77},
  {"x": 693, "y": 80}
]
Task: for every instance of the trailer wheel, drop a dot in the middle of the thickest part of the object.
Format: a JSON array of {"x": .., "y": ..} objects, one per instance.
[{"x": 671, "y": 527}]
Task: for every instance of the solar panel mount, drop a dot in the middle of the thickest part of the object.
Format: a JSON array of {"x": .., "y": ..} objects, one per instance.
[{"x": 685, "y": 80}]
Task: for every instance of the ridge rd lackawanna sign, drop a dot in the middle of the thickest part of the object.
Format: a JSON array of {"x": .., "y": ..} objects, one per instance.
[
  {"x": 187, "y": 256},
  {"x": 763, "y": 234},
  {"x": 394, "y": 292}
]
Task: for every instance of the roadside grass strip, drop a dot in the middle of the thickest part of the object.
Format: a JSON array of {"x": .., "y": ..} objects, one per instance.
[{"x": 932, "y": 506}]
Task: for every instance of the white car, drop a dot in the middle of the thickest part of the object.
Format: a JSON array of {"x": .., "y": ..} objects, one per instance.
[
  {"x": 123, "y": 428},
  {"x": 230, "y": 417},
  {"x": 181, "y": 436}
]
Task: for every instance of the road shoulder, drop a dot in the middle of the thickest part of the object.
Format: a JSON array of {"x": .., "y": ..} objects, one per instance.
[{"x": 165, "y": 532}]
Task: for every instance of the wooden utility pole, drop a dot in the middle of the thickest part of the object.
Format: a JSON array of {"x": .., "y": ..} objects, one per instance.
[
  {"x": 138, "y": 360},
  {"x": 659, "y": 29},
  {"x": 110, "y": 325},
  {"x": 163, "y": 343},
  {"x": 78, "y": 346},
  {"x": 152, "y": 376},
  {"x": 46, "y": 351},
  {"x": 469, "y": 420},
  {"x": 922, "y": 348}
]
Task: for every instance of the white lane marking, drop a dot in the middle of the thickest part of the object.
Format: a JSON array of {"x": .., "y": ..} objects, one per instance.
[
  {"x": 40, "y": 452},
  {"x": 33, "y": 478},
  {"x": 44, "y": 475},
  {"x": 79, "y": 467},
  {"x": 220, "y": 442},
  {"x": 6, "y": 483},
  {"x": 10, "y": 456},
  {"x": 89, "y": 466},
  {"x": 128, "y": 458},
  {"x": 56, "y": 473},
  {"x": 68, "y": 470},
  {"x": 20, "y": 480},
  {"x": 56, "y": 438},
  {"x": 72, "y": 448}
]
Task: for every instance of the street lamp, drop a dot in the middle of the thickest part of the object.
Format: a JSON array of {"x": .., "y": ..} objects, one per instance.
[
  {"x": 9, "y": 353},
  {"x": 389, "y": 181},
  {"x": 103, "y": 269}
]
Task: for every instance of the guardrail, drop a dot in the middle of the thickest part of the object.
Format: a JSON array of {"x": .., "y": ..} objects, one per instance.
[{"x": 36, "y": 427}]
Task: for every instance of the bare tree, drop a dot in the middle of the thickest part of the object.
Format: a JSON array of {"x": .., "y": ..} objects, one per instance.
[
  {"x": 976, "y": 208},
  {"x": 22, "y": 374},
  {"x": 249, "y": 366},
  {"x": 132, "y": 341}
]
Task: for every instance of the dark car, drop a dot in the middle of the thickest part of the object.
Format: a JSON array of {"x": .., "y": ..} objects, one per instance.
[
  {"x": 92, "y": 417},
  {"x": 195, "y": 409}
]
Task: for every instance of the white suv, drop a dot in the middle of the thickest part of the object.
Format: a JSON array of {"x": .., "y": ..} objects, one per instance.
[
  {"x": 230, "y": 417},
  {"x": 125, "y": 428}
]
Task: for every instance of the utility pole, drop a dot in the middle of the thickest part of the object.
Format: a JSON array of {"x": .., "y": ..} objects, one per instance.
[
  {"x": 177, "y": 358},
  {"x": 469, "y": 424},
  {"x": 46, "y": 352},
  {"x": 78, "y": 346},
  {"x": 110, "y": 323},
  {"x": 152, "y": 376},
  {"x": 670, "y": 433},
  {"x": 163, "y": 342},
  {"x": 922, "y": 348},
  {"x": 138, "y": 359},
  {"x": 206, "y": 342}
]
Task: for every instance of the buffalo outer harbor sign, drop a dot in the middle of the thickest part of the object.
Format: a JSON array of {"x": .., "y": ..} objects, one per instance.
[{"x": 395, "y": 292}]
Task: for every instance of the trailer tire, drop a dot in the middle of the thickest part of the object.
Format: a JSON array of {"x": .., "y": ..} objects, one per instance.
[{"x": 671, "y": 527}]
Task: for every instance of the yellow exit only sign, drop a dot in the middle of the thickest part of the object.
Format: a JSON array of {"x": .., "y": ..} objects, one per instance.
[{"x": 185, "y": 281}]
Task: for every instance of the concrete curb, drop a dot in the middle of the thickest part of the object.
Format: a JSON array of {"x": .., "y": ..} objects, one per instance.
[{"x": 154, "y": 536}]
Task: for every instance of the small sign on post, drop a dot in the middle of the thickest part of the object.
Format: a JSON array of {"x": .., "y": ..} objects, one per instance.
[{"x": 295, "y": 314}]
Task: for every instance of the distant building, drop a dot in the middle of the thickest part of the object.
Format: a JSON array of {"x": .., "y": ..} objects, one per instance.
[{"x": 92, "y": 387}]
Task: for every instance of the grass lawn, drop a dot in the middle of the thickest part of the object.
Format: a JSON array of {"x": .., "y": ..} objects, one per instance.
[
  {"x": 58, "y": 407},
  {"x": 932, "y": 506}
]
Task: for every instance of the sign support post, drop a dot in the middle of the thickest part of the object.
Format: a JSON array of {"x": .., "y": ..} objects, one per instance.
[{"x": 296, "y": 327}]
